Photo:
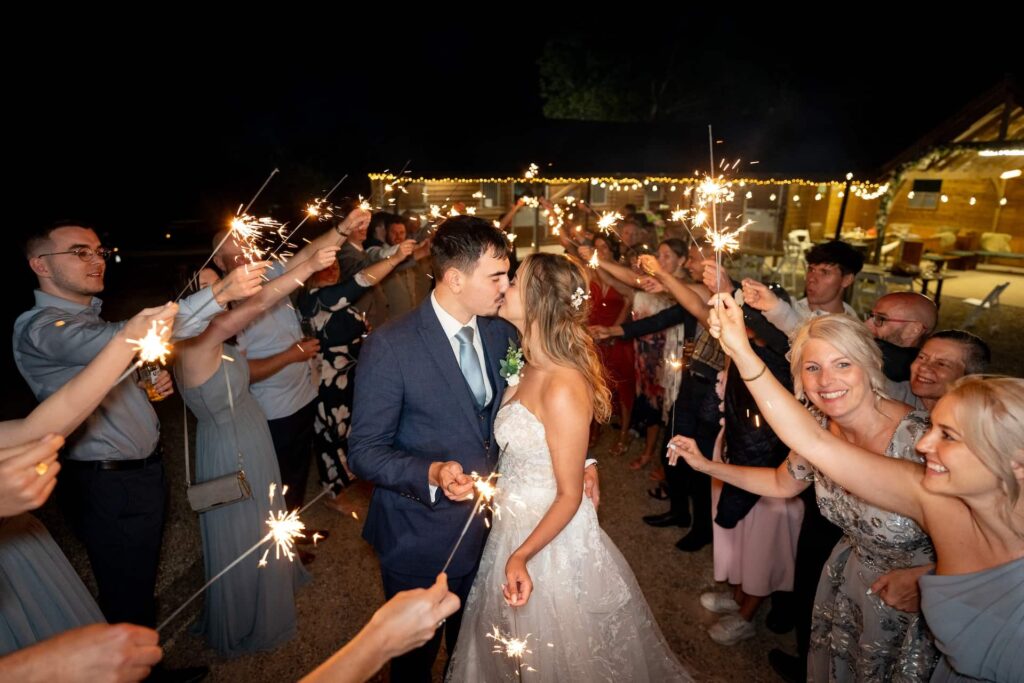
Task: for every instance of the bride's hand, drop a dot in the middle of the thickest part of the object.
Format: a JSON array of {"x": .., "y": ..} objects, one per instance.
[{"x": 519, "y": 585}]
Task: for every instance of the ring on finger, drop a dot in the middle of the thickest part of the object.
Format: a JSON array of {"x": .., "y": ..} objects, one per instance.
[{"x": 42, "y": 468}]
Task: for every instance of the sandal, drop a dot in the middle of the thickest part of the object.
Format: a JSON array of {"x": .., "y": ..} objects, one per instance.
[{"x": 640, "y": 462}]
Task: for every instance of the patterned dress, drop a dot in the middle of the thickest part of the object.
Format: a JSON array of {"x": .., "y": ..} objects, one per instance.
[
  {"x": 340, "y": 328},
  {"x": 855, "y": 636}
]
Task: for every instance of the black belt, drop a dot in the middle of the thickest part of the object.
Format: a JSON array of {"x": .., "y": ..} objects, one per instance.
[{"x": 118, "y": 465}]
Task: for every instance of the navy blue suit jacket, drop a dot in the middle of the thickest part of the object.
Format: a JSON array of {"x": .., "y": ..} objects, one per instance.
[{"x": 412, "y": 407}]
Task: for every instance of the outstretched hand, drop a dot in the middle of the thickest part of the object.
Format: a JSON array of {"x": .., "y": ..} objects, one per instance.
[
  {"x": 686, "y": 448},
  {"x": 725, "y": 323},
  {"x": 758, "y": 295}
]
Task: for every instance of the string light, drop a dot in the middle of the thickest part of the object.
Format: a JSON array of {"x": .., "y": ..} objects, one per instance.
[{"x": 615, "y": 182}]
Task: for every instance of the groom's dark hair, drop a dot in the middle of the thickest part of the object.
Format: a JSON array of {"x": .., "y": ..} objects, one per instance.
[{"x": 460, "y": 242}]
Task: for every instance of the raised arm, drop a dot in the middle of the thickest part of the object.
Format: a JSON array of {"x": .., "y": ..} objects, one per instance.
[
  {"x": 333, "y": 237},
  {"x": 888, "y": 483},
  {"x": 688, "y": 297},
  {"x": 62, "y": 412},
  {"x": 619, "y": 272}
]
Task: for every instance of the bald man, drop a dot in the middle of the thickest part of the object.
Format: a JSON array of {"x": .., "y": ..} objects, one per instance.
[{"x": 903, "y": 318}]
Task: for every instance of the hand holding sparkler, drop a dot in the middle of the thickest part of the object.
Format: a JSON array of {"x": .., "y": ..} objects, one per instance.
[
  {"x": 323, "y": 258},
  {"x": 412, "y": 617},
  {"x": 518, "y": 585},
  {"x": 160, "y": 316},
  {"x": 404, "y": 622},
  {"x": 449, "y": 477},
  {"x": 759, "y": 296},
  {"x": 241, "y": 283},
  {"x": 717, "y": 278},
  {"x": 725, "y": 323},
  {"x": 686, "y": 448},
  {"x": 357, "y": 219},
  {"x": 649, "y": 264}
]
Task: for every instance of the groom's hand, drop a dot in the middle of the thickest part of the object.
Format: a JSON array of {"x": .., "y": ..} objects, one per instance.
[
  {"x": 591, "y": 487},
  {"x": 449, "y": 477}
]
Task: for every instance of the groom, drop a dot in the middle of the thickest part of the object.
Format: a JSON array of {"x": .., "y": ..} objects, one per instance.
[{"x": 427, "y": 391}]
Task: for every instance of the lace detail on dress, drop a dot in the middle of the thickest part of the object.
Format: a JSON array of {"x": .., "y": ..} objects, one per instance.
[{"x": 587, "y": 618}]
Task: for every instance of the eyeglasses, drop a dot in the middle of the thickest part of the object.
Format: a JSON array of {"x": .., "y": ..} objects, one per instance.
[
  {"x": 881, "y": 319},
  {"x": 85, "y": 253}
]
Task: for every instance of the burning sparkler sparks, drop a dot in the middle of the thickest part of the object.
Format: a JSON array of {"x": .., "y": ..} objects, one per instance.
[
  {"x": 594, "y": 262},
  {"x": 608, "y": 220},
  {"x": 510, "y": 647},
  {"x": 152, "y": 348}
]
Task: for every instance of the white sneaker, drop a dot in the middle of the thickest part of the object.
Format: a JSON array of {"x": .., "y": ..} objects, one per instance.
[
  {"x": 719, "y": 603},
  {"x": 731, "y": 629}
]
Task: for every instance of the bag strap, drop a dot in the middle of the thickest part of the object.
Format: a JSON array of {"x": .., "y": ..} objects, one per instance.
[{"x": 234, "y": 427}]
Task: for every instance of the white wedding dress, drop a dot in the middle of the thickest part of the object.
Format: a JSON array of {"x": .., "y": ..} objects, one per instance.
[{"x": 587, "y": 619}]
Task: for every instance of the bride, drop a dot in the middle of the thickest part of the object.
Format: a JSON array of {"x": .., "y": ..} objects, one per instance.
[{"x": 585, "y": 618}]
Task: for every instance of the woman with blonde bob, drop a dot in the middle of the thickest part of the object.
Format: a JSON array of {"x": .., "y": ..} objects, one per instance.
[
  {"x": 967, "y": 495},
  {"x": 548, "y": 570},
  {"x": 857, "y": 633}
]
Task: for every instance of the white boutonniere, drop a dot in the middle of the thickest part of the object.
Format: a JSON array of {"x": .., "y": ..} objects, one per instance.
[{"x": 512, "y": 364}]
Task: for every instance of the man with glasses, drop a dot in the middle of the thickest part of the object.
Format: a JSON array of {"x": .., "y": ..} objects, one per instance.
[{"x": 113, "y": 482}]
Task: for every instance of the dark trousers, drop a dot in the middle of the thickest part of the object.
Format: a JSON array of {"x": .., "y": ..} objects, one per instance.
[
  {"x": 119, "y": 516},
  {"x": 293, "y": 443},
  {"x": 416, "y": 665},
  {"x": 818, "y": 537},
  {"x": 682, "y": 480}
]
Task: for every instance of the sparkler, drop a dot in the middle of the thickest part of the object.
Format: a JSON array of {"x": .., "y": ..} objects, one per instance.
[
  {"x": 284, "y": 529},
  {"x": 486, "y": 491},
  {"x": 594, "y": 262},
  {"x": 220, "y": 244},
  {"x": 152, "y": 348}
]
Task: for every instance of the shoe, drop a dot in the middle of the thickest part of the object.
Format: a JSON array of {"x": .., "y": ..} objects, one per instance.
[
  {"x": 666, "y": 519},
  {"x": 657, "y": 474},
  {"x": 731, "y": 629},
  {"x": 191, "y": 674},
  {"x": 693, "y": 541},
  {"x": 788, "y": 667},
  {"x": 322, "y": 535},
  {"x": 719, "y": 603}
]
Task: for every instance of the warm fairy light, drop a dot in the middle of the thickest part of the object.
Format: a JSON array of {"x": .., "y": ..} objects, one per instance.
[
  {"x": 152, "y": 348},
  {"x": 1001, "y": 153},
  {"x": 1007, "y": 175},
  {"x": 532, "y": 172}
]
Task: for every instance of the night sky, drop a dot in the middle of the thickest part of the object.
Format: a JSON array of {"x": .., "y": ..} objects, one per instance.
[{"x": 173, "y": 123}]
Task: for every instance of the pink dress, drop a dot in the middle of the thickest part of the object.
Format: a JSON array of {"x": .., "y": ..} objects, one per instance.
[{"x": 759, "y": 553}]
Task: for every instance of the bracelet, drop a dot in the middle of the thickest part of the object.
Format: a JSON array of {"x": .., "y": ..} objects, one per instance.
[
  {"x": 751, "y": 379},
  {"x": 341, "y": 232}
]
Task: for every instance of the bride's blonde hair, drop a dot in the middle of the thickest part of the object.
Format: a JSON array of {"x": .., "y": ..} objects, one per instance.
[{"x": 549, "y": 284}]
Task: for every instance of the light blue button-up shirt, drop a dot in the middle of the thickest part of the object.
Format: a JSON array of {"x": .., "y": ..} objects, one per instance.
[
  {"x": 291, "y": 388},
  {"x": 57, "y": 338}
]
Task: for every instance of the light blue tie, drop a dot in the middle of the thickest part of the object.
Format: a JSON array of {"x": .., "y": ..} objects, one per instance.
[{"x": 470, "y": 364}]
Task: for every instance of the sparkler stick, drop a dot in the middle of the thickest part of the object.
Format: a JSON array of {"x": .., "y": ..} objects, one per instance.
[
  {"x": 485, "y": 492},
  {"x": 282, "y": 532},
  {"x": 224, "y": 239},
  {"x": 318, "y": 203}
]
